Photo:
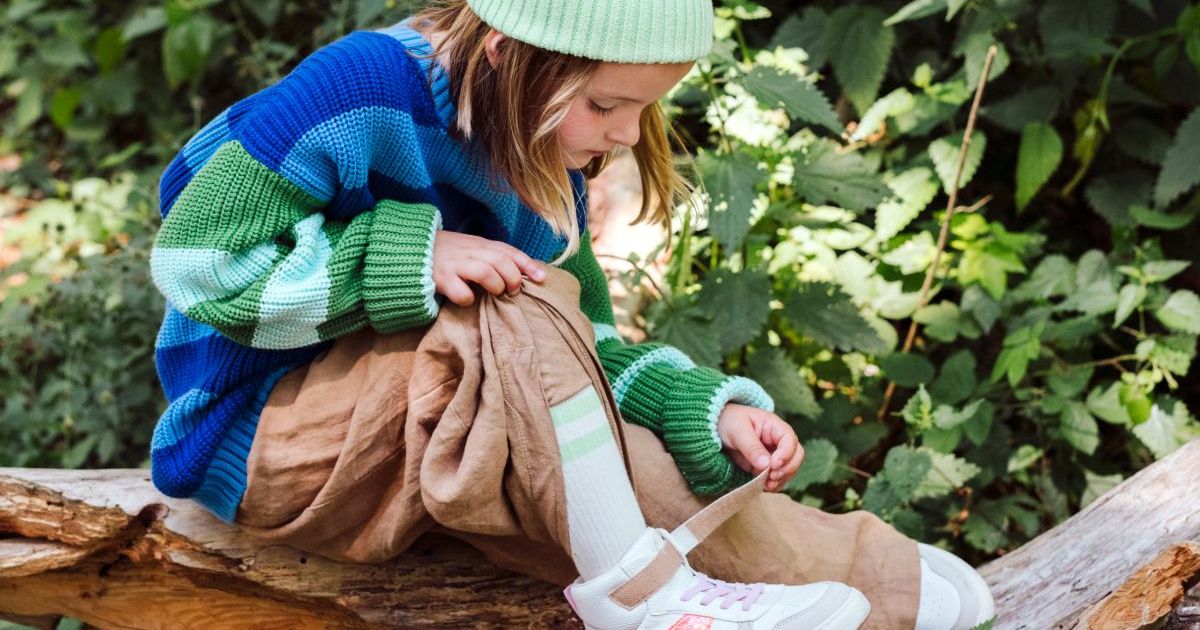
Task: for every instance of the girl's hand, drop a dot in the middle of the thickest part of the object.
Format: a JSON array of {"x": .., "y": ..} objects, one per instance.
[
  {"x": 495, "y": 266},
  {"x": 756, "y": 439}
]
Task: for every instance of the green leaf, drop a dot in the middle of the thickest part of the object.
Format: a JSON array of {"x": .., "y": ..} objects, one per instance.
[
  {"x": 907, "y": 370},
  {"x": 79, "y": 451},
  {"x": 109, "y": 49},
  {"x": 904, "y": 469},
  {"x": 918, "y": 411},
  {"x": 912, "y": 191},
  {"x": 1112, "y": 195},
  {"x": 802, "y": 101},
  {"x": 29, "y": 104},
  {"x": 688, "y": 330},
  {"x": 1163, "y": 270},
  {"x": 946, "y": 417},
  {"x": 1079, "y": 429},
  {"x": 1179, "y": 172},
  {"x": 1070, "y": 380},
  {"x": 1020, "y": 348},
  {"x": 63, "y": 105},
  {"x": 1054, "y": 276},
  {"x": 844, "y": 178},
  {"x": 1039, "y": 156},
  {"x": 820, "y": 458},
  {"x": 1163, "y": 220},
  {"x": 860, "y": 49},
  {"x": 986, "y": 528},
  {"x": 731, "y": 180},
  {"x": 821, "y": 311},
  {"x": 946, "y": 474},
  {"x": 1035, "y": 104},
  {"x": 1174, "y": 353},
  {"x": 1097, "y": 486},
  {"x": 1025, "y": 456},
  {"x": 144, "y": 21},
  {"x": 944, "y": 153},
  {"x": 1163, "y": 433},
  {"x": 737, "y": 303},
  {"x": 916, "y": 10},
  {"x": 942, "y": 321},
  {"x": 781, "y": 378},
  {"x": 956, "y": 380},
  {"x": 897, "y": 102},
  {"x": 1130, "y": 297},
  {"x": 1142, "y": 140},
  {"x": 185, "y": 49},
  {"x": 1181, "y": 312},
  {"x": 808, "y": 29}
]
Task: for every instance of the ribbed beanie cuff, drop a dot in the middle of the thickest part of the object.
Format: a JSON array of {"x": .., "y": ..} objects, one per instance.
[{"x": 624, "y": 31}]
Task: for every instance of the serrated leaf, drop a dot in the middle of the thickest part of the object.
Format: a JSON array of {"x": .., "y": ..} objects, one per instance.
[
  {"x": 1112, "y": 195},
  {"x": 942, "y": 321},
  {"x": 904, "y": 469},
  {"x": 1181, "y": 312},
  {"x": 906, "y": 369},
  {"x": 1070, "y": 380},
  {"x": 1179, "y": 171},
  {"x": 781, "y": 378},
  {"x": 1163, "y": 433},
  {"x": 918, "y": 411},
  {"x": 860, "y": 49},
  {"x": 731, "y": 180},
  {"x": 825, "y": 175},
  {"x": 802, "y": 101},
  {"x": 1036, "y": 104},
  {"x": 944, "y": 153},
  {"x": 808, "y": 29},
  {"x": 820, "y": 459},
  {"x": 821, "y": 311},
  {"x": 913, "y": 190},
  {"x": 946, "y": 474},
  {"x": 1163, "y": 270},
  {"x": 1079, "y": 428},
  {"x": 693, "y": 334},
  {"x": 1039, "y": 156},
  {"x": 898, "y": 101},
  {"x": 1174, "y": 353},
  {"x": 947, "y": 417},
  {"x": 737, "y": 304},
  {"x": 1142, "y": 140}
]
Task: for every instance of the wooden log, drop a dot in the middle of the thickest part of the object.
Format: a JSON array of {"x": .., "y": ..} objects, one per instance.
[
  {"x": 105, "y": 547},
  {"x": 1148, "y": 596},
  {"x": 1053, "y": 579}
]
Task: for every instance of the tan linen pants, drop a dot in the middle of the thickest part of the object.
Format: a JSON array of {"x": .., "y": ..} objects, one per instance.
[{"x": 447, "y": 428}]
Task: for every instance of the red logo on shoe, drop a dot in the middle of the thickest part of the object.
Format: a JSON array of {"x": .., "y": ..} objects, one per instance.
[{"x": 692, "y": 622}]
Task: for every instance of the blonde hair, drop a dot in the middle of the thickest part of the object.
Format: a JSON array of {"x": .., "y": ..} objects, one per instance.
[{"x": 526, "y": 97}]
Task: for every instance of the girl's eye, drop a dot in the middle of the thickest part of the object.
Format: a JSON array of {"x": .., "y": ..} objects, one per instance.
[{"x": 603, "y": 111}]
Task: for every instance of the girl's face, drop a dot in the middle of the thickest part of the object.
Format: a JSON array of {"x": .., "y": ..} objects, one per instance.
[{"x": 608, "y": 110}]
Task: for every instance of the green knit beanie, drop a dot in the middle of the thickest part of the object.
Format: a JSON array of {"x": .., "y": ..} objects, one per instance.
[{"x": 626, "y": 31}]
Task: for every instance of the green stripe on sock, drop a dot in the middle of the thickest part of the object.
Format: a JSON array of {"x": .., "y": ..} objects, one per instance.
[
  {"x": 582, "y": 446},
  {"x": 576, "y": 407}
]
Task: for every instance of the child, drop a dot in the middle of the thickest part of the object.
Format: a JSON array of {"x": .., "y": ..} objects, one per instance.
[{"x": 389, "y": 173}]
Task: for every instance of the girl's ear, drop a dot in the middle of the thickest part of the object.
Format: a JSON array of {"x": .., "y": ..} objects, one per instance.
[{"x": 492, "y": 46}]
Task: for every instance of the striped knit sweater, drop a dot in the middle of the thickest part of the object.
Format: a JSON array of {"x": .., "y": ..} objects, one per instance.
[{"x": 308, "y": 210}]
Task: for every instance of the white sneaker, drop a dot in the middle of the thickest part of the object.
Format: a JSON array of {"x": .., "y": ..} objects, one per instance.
[
  {"x": 953, "y": 595},
  {"x": 654, "y": 588}
]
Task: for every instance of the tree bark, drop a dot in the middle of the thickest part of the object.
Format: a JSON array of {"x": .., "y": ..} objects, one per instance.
[
  {"x": 1053, "y": 579},
  {"x": 104, "y": 547}
]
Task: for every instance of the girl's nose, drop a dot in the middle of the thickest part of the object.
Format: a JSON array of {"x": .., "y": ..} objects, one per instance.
[{"x": 627, "y": 133}]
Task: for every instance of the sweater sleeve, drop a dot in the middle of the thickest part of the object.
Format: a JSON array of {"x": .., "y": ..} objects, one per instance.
[
  {"x": 274, "y": 241},
  {"x": 657, "y": 386}
]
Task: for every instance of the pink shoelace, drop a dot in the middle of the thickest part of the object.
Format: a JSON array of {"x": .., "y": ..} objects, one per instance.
[{"x": 731, "y": 591}]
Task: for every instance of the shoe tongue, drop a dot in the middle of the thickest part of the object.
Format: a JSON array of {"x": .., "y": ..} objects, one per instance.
[{"x": 643, "y": 550}]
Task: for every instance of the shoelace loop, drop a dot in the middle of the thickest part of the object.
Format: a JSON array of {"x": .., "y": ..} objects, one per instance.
[{"x": 730, "y": 591}]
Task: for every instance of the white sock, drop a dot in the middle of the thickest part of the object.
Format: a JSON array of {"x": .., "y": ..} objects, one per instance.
[{"x": 602, "y": 511}]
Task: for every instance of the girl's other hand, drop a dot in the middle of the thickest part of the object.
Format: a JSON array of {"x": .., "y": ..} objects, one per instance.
[
  {"x": 757, "y": 439},
  {"x": 495, "y": 266}
]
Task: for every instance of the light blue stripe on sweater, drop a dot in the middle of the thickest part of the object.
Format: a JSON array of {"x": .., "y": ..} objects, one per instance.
[
  {"x": 191, "y": 276},
  {"x": 295, "y": 300},
  {"x": 665, "y": 355}
]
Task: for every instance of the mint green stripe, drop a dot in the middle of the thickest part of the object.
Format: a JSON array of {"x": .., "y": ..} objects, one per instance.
[
  {"x": 578, "y": 448},
  {"x": 578, "y": 406}
]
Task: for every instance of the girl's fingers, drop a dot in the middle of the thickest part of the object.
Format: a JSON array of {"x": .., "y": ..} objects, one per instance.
[
  {"x": 455, "y": 290},
  {"x": 504, "y": 265},
  {"x": 527, "y": 265},
  {"x": 484, "y": 274}
]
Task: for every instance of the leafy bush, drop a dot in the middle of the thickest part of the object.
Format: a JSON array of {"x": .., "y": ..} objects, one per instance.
[{"x": 1054, "y": 344}]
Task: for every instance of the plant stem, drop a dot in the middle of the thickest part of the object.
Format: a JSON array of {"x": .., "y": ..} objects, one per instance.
[{"x": 951, "y": 204}]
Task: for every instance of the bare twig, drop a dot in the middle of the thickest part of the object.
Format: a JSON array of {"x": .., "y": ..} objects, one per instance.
[{"x": 951, "y": 204}]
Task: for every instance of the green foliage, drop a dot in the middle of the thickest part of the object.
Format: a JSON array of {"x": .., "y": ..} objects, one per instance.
[{"x": 1056, "y": 341}]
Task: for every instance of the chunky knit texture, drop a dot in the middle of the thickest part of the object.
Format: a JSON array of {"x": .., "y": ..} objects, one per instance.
[
  {"x": 627, "y": 31},
  {"x": 308, "y": 210}
]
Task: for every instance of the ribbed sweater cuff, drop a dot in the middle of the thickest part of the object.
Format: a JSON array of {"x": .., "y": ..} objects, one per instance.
[
  {"x": 689, "y": 420},
  {"x": 398, "y": 289}
]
